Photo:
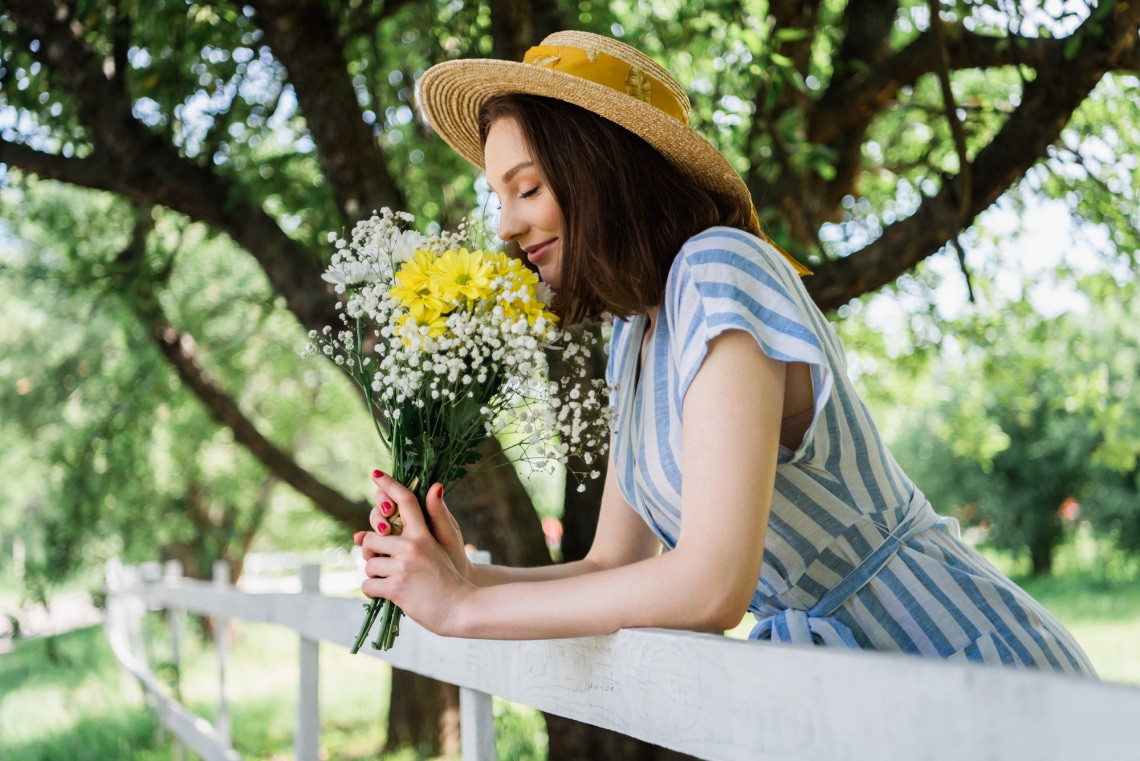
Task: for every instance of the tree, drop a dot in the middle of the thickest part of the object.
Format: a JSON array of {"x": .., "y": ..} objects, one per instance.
[
  {"x": 871, "y": 133},
  {"x": 1015, "y": 428}
]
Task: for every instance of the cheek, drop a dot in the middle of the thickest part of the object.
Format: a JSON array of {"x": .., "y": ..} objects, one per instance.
[{"x": 552, "y": 218}]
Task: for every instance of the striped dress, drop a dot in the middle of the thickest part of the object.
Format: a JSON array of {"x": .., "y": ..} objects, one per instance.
[{"x": 854, "y": 556}]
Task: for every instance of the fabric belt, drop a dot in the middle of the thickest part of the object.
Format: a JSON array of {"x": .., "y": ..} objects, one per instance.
[{"x": 816, "y": 625}]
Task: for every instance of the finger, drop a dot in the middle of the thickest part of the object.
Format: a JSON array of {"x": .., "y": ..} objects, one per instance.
[
  {"x": 382, "y": 523},
  {"x": 436, "y": 509},
  {"x": 358, "y": 537},
  {"x": 384, "y": 501},
  {"x": 375, "y": 544},
  {"x": 443, "y": 525},
  {"x": 380, "y": 567},
  {"x": 377, "y": 588},
  {"x": 408, "y": 512}
]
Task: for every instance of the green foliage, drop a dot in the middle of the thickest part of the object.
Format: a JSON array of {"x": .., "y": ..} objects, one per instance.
[
  {"x": 112, "y": 455},
  {"x": 75, "y": 707},
  {"x": 1018, "y": 412},
  {"x": 71, "y": 705}
]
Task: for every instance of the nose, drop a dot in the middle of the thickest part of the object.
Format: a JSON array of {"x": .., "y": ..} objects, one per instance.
[{"x": 511, "y": 225}]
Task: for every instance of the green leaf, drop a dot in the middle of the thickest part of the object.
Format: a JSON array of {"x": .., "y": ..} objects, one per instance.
[
  {"x": 791, "y": 35},
  {"x": 1072, "y": 45},
  {"x": 781, "y": 60}
]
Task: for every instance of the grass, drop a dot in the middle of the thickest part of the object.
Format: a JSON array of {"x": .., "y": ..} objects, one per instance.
[
  {"x": 1095, "y": 592},
  {"x": 66, "y": 698}
]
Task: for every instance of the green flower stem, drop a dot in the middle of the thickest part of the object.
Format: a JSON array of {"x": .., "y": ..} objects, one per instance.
[
  {"x": 372, "y": 608},
  {"x": 388, "y": 612}
]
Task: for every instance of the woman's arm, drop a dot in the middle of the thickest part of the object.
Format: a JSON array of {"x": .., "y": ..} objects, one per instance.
[
  {"x": 621, "y": 538},
  {"x": 731, "y": 419}
]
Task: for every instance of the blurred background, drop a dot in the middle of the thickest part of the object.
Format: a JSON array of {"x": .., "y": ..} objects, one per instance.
[{"x": 961, "y": 176}]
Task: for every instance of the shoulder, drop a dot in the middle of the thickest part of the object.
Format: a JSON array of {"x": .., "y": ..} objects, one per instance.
[
  {"x": 722, "y": 265},
  {"x": 722, "y": 249},
  {"x": 729, "y": 279}
]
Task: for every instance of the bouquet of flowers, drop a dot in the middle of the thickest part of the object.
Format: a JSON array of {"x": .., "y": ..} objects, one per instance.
[{"x": 447, "y": 343}]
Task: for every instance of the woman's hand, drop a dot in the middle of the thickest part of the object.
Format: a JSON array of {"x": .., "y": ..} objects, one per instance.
[
  {"x": 413, "y": 570},
  {"x": 390, "y": 492}
]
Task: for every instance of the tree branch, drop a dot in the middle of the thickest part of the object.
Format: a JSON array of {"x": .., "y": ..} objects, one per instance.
[
  {"x": 180, "y": 350},
  {"x": 305, "y": 39},
  {"x": 516, "y": 25},
  {"x": 93, "y": 171},
  {"x": 147, "y": 171},
  {"x": 1047, "y": 104},
  {"x": 791, "y": 191},
  {"x": 859, "y": 96},
  {"x": 866, "y": 45},
  {"x": 798, "y": 15},
  {"x": 962, "y": 181},
  {"x": 365, "y": 19}
]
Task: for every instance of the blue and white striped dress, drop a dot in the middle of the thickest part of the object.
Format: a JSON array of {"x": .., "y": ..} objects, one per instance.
[{"x": 854, "y": 553}]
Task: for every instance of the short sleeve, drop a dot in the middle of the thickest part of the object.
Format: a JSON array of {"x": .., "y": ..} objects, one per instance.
[
  {"x": 615, "y": 352},
  {"x": 725, "y": 279}
]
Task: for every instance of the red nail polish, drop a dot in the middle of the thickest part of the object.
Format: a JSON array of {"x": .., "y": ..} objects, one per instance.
[
  {"x": 439, "y": 492},
  {"x": 386, "y": 508},
  {"x": 381, "y": 527},
  {"x": 377, "y": 474}
]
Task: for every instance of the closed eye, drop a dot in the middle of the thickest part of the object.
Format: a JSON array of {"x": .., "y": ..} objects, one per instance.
[{"x": 530, "y": 192}]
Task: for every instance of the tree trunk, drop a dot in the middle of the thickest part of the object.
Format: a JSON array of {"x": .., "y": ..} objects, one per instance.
[
  {"x": 580, "y": 509},
  {"x": 1043, "y": 539},
  {"x": 423, "y": 714},
  {"x": 571, "y": 740},
  {"x": 495, "y": 514},
  {"x": 575, "y": 741}
]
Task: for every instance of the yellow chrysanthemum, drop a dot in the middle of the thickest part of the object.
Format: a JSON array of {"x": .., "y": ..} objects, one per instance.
[
  {"x": 498, "y": 260},
  {"x": 510, "y": 268},
  {"x": 414, "y": 288},
  {"x": 518, "y": 291},
  {"x": 412, "y": 322},
  {"x": 462, "y": 274}
]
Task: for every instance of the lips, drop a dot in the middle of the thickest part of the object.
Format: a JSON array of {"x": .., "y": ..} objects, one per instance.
[{"x": 538, "y": 252}]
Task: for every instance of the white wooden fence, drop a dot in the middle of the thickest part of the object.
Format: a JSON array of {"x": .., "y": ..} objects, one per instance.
[{"x": 710, "y": 696}]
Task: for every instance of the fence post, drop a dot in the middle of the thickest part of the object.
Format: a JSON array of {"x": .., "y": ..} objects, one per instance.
[
  {"x": 476, "y": 717},
  {"x": 171, "y": 573},
  {"x": 222, "y": 724},
  {"x": 306, "y": 742}
]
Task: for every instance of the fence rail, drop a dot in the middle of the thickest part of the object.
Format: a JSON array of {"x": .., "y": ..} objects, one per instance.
[{"x": 709, "y": 696}]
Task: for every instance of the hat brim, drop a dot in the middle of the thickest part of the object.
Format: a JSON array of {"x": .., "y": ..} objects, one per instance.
[{"x": 452, "y": 94}]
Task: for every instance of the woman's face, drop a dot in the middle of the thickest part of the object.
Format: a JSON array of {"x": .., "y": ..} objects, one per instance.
[{"x": 529, "y": 214}]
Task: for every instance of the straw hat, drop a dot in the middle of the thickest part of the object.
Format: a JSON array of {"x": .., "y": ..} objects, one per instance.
[{"x": 602, "y": 75}]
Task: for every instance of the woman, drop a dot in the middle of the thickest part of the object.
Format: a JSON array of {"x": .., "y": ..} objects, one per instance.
[{"x": 734, "y": 409}]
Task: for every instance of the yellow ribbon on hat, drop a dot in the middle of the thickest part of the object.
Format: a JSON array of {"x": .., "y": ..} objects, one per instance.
[
  {"x": 754, "y": 226},
  {"x": 608, "y": 71}
]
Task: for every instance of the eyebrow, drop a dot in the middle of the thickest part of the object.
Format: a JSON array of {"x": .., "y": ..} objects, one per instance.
[{"x": 516, "y": 169}]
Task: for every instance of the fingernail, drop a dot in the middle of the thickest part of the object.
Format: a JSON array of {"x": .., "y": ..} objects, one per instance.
[
  {"x": 381, "y": 527},
  {"x": 377, "y": 474},
  {"x": 439, "y": 492},
  {"x": 386, "y": 508}
]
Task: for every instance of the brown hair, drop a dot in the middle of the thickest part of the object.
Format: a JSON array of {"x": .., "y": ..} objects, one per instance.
[{"x": 626, "y": 210}]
